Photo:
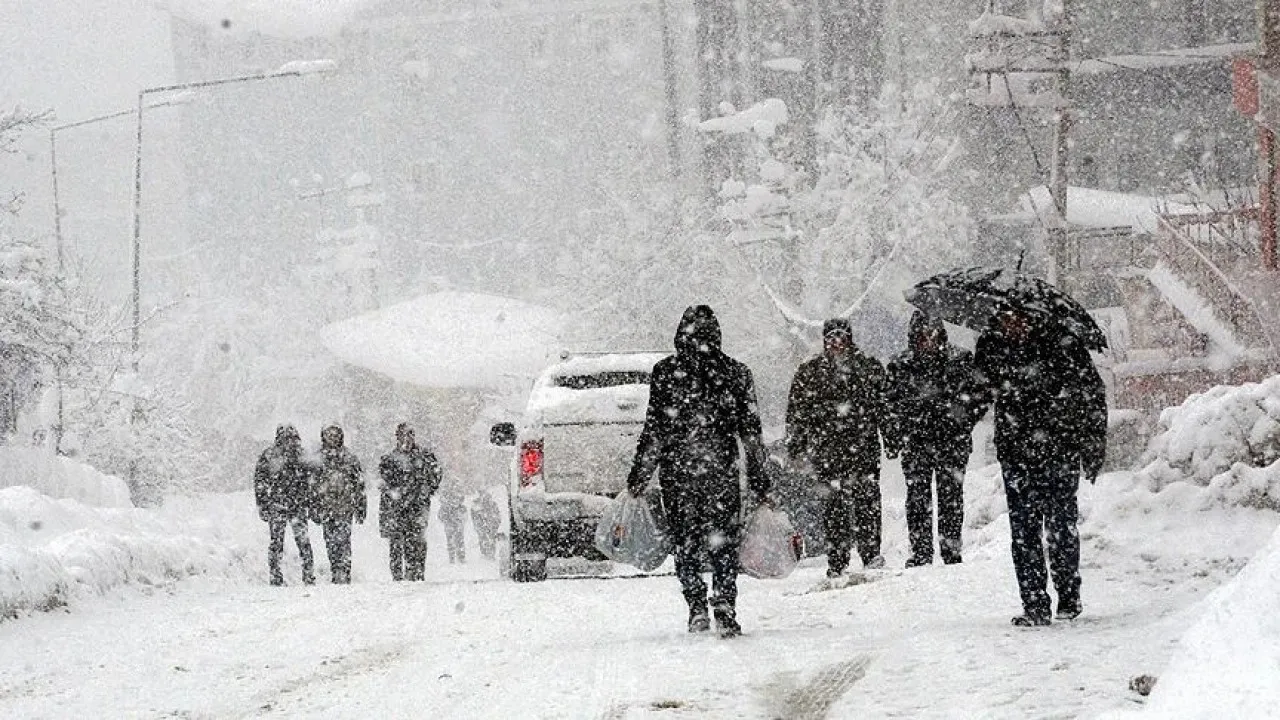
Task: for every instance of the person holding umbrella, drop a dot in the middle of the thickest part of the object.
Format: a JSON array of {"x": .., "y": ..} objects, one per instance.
[{"x": 1050, "y": 416}]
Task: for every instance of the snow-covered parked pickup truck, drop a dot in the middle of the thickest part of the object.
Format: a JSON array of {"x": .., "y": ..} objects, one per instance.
[{"x": 573, "y": 450}]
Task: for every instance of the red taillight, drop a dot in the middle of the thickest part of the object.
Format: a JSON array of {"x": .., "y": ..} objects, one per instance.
[{"x": 530, "y": 461}]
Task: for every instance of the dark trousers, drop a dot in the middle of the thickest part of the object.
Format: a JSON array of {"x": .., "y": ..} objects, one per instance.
[
  {"x": 707, "y": 531},
  {"x": 275, "y": 547},
  {"x": 717, "y": 546},
  {"x": 455, "y": 539},
  {"x": 851, "y": 514},
  {"x": 921, "y": 474},
  {"x": 1042, "y": 501},
  {"x": 408, "y": 554},
  {"x": 337, "y": 541}
]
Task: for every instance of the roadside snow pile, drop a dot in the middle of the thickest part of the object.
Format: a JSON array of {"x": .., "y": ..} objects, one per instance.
[
  {"x": 1227, "y": 663},
  {"x": 60, "y": 477},
  {"x": 1226, "y": 439},
  {"x": 53, "y": 550}
]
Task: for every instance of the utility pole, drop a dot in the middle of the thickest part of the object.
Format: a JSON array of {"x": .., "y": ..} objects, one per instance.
[
  {"x": 1009, "y": 72},
  {"x": 671, "y": 92},
  {"x": 1061, "y": 132}
]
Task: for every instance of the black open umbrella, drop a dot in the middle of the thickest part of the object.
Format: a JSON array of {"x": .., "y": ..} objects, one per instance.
[{"x": 971, "y": 297}]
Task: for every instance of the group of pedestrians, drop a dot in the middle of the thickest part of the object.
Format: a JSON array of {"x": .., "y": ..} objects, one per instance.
[
  {"x": 293, "y": 488},
  {"x": 845, "y": 411}
]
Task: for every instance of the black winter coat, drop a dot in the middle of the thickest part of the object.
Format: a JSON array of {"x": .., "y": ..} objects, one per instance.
[
  {"x": 702, "y": 403},
  {"x": 1050, "y": 401},
  {"x": 836, "y": 412},
  {"x": 409, "y": 479},
  {"x": 338, "y": 485},
  {"x": 281, "y": 484},
  {"x": 935, "y": 399}
]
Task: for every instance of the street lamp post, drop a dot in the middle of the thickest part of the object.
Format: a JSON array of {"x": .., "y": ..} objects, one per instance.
[
  {"x": 290, "y": 69},
  {"x": 59, "y": 245}
]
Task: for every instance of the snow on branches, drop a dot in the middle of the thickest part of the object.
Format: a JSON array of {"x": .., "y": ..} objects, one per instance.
[{"x": 876, "y": 217}]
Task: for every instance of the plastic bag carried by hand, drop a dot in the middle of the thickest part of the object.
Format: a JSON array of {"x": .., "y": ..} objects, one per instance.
[
  {"x": 771, "y": 547},
  {"x": 629, "y": 532}
]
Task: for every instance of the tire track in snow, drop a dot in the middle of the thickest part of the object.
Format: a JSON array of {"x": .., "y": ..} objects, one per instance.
[
  {"x": 814, "y": 699},
  {"x": 359, "y": 662}
]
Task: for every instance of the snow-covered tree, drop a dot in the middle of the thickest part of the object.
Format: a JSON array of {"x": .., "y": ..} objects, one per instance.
[
  {"x": 39, "y": 332},
  {"x": 877, "y": 217}
]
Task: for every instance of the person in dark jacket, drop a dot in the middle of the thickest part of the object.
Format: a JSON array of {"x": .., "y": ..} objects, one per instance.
[
  {"x": 702, "y": 404},
  {"x": 485, "y": 518},
  {"x": 1051, "y": 429},
  {"x": 835, "y": 415},
  {"x": 935, "y": 399},
  {"x": 339, "y": 500},
  {"x": 453, "y": 516},
  {"x": 281, "y": 487},
  {"x": 410, "y": 475}
]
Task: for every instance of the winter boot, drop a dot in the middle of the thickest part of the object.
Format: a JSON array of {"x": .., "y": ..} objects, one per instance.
[
  {"x": 875, "y": 563},
  {"x": 1069, "y": 609},
  {"x": 727, "y": 623},
  {"x": 699, "y": 621},
  {"x": 1030, "y": 620},
  {"x": 914, "y": 561}
]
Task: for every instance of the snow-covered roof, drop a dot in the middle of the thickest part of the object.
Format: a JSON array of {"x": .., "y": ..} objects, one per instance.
[
  {"x": 1163, "y": 59},
  {"x": 450, "y": 339},
  {"x": 992, "y": 24},
  {"x": 1087, "y": 207}
]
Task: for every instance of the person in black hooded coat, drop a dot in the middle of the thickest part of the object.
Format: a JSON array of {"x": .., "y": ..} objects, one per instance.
[
  {"x": 836, "y": 413},
  {"x": 410, "y": 475},
  {"x": 935, "y": 399},
  {"x": 282, "y": 488},
  {"x": 1051, "y": 429},
  {"x": 702, "y": 403}
]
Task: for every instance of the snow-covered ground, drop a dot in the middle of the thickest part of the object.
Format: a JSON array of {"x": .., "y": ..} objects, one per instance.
[{"x": 1163, "y": 589}]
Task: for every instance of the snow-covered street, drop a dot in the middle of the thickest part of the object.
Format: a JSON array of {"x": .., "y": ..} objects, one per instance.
[{"x": 931, "y": 642}]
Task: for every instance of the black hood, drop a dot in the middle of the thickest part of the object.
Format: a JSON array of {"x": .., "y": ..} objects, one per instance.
[
  {"x": 921, "y": 326},
  {"x": 286, "y": 434},
  {"x": 698, "y": 333}
]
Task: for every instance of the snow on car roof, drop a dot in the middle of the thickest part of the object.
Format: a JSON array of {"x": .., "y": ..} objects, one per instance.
[{"x": 605, "y": 362}]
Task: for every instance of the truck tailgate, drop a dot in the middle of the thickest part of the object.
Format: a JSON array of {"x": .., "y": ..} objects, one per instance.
[{"x": 588, "y": 457}]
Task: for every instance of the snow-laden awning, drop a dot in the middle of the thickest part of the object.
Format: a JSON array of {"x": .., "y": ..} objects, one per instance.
[
  {"x": 451, "y": 340},
  {"x": 1087, "y": 207},
  {"x": 1180, "y": 57}
]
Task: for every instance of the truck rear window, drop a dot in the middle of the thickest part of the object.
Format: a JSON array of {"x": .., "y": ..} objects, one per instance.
[{"x": 605, "y": 379}]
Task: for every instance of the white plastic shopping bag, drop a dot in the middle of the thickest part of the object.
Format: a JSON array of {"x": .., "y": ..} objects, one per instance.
[
  {"x": 771, "y": 547},
  {"x": 629, "y": 532}
]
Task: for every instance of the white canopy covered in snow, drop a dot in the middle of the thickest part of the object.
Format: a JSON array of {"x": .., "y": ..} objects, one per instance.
[
  {"x": 1088, "y": 207},
  {"x": 450, "y": 340}
]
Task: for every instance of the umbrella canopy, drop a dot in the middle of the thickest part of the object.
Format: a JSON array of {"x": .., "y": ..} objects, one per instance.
[
  {"x": 971, "y": 297},
  {"x": 451, "y": 340}
]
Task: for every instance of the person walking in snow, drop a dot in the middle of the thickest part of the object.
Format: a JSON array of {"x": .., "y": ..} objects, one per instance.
[
  {"x": 485, "y": 518},
  {"x": 339, "y": 500},
  {"x": 836, "y": 412},
  {"x": 410, "y": 475},
  {"x": 1050, "y": 430},
  {"x": 283, "y": 493},
  {"x": 453, "y": 515},
  {"x": 935, "y": 400},
  {"x": 702, "y": 404}
]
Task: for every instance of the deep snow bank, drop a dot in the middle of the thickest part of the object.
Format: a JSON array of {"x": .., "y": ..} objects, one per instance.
[
  {"x": 52, "y": 550},
  {"x": 60, "y": 477},
  {"x": 1227, "y": 663},
  {"x": 1226, "y": 439}
]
